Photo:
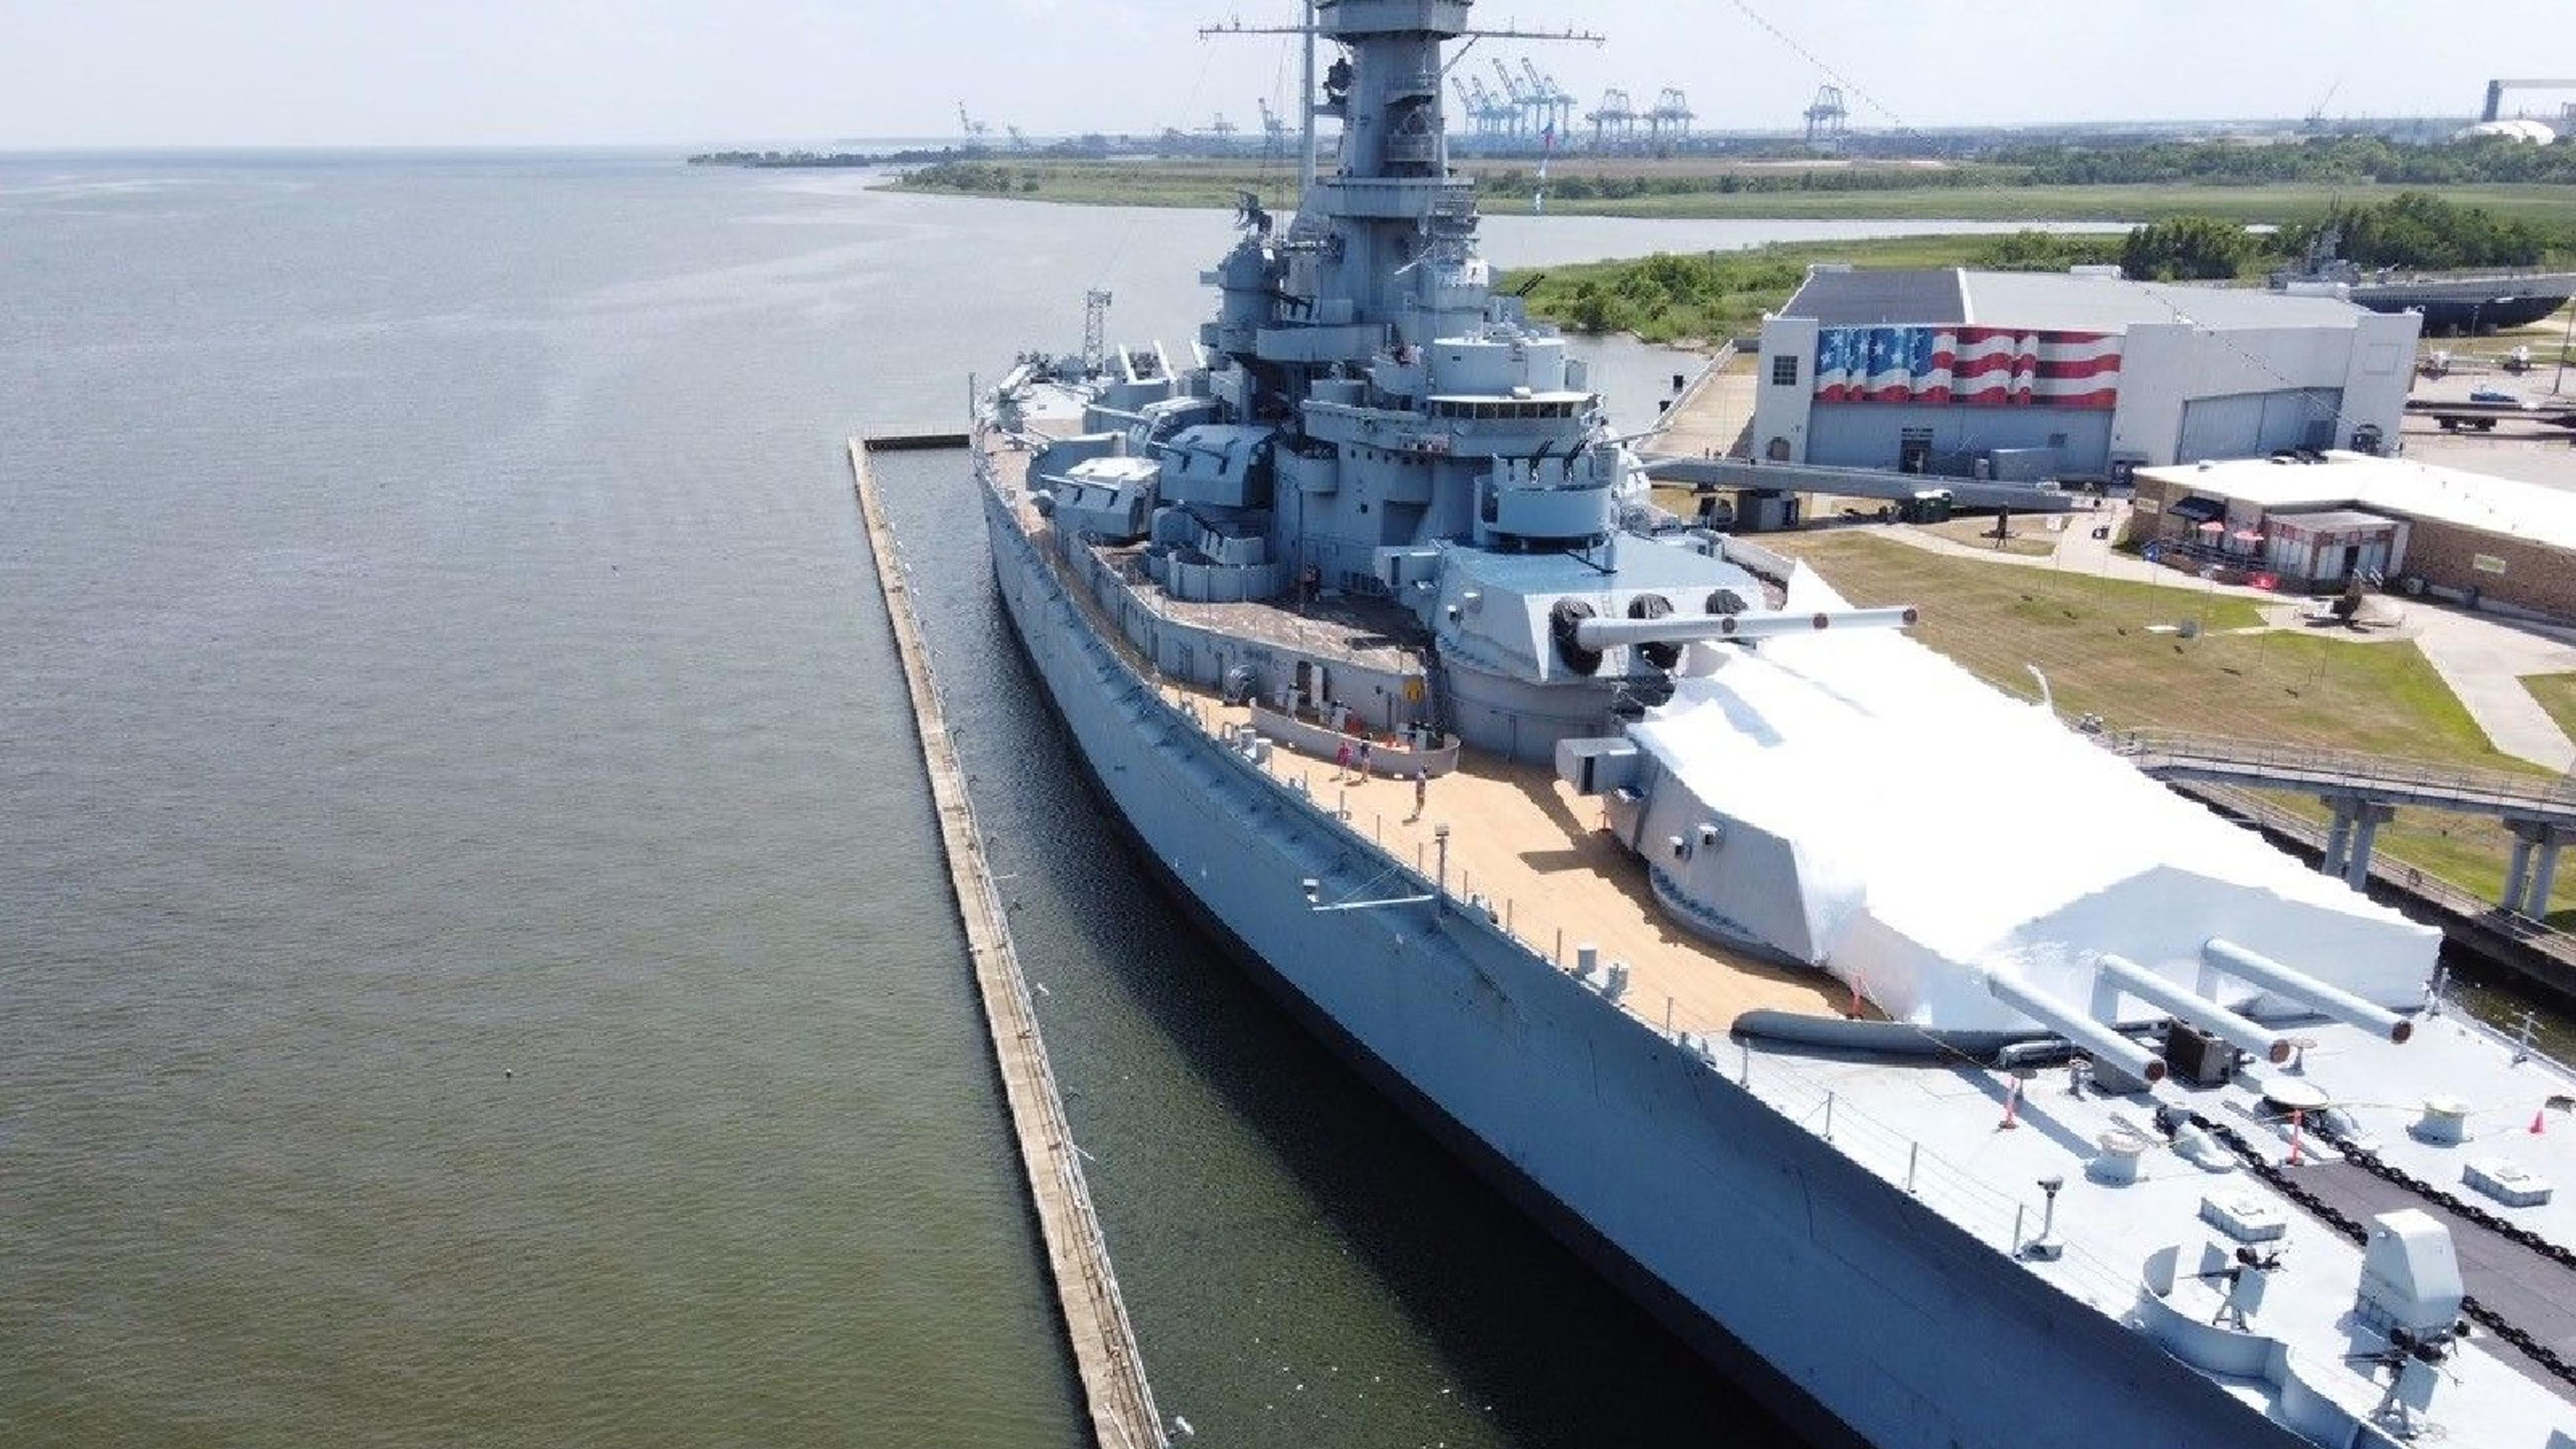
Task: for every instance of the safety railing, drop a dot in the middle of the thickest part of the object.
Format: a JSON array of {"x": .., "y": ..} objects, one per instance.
[{"x": 2302, "y": 766}]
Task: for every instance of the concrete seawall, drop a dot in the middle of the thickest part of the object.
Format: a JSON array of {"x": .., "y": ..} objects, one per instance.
[{"x": 1094, "y": 1314}]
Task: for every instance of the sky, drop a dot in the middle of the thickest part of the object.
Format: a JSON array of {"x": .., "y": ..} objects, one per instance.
[{"x": 156, "y": 73}]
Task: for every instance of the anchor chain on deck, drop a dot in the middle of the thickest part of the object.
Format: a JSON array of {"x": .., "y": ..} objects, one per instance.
[{"x": 2287, "y": 1184}]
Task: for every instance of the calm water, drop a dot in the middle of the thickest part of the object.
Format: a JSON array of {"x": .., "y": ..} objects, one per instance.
[{"x": 476, "y": 964}]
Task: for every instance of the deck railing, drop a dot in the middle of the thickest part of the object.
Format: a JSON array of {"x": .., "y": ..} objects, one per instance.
[{"x": 2303, "y": 767}]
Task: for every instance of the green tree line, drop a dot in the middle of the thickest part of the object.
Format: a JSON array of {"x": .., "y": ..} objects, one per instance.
[{"x": 1722, "y": 294}]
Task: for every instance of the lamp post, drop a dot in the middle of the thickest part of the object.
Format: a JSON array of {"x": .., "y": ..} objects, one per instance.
[{"x": 2564, "y": 344}]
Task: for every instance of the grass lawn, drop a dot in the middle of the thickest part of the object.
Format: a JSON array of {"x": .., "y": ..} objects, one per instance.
[
  {"x": 2090, "y": 636},
  {"x": 2027, "y": 534},
  {"x": 2096, "y": 639},
  {"x": 2557, "y": 694}
]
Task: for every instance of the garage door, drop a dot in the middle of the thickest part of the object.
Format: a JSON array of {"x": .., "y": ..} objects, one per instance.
[
  {"x": 2300, "y": 418},
  {"x": 2252, "y": 424}
]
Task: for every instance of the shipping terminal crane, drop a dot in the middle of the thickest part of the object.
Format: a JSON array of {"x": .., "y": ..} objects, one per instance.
[
  {"x": 975, "y": 129},
  {"x": 1826, "y": 116},
  {"x": 1614, "y": 121},
  {"x": 2496, "y": 89},
  {"x": 1274, "y": 129},
  {"x": 1526, "y": 108},
  {"x": 1671, "y": 118},
  {"x": 1555, "y": 103}
]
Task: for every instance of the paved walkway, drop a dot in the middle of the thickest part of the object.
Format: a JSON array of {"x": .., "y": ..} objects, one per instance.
[{"x": 2482, "y": 659}]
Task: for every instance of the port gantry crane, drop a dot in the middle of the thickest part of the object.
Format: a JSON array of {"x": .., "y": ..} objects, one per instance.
[
  {"x": 975, "y": 129},
  {"x": 2496, "y": 89},
  {"x": 1556, "y": 105},
  {"x": 1671, "y": 118},
  {"x": 1825, "y": 117},
  {"x": 1274, "y": 129},
  {"x": 1487, "y": 115},
  {"x": 1525, "y": 107},
  {"x": 1614, "y": 121}
]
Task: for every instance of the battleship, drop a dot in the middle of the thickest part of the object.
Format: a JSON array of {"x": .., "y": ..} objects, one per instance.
[{"x": 1671, "y": 891}]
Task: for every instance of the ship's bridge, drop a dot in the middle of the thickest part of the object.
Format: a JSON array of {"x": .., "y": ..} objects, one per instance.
[
  {"x": 1521, "y": 406},
  {"x": 1498, "y": 364}
]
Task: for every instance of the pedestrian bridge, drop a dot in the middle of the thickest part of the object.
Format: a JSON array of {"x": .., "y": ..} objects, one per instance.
[{"x": 2365, "y": 791}]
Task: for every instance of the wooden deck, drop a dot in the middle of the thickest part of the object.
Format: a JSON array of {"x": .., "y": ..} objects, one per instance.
[{"x": 1519, "y": 837}]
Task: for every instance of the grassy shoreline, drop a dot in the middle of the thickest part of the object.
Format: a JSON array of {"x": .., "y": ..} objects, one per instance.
[
  {"x": 1217, "y": 183},
  {"x": 1710, "y": 296}
]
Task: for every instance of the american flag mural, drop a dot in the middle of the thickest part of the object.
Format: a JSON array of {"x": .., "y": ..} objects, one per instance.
[{"x": 1986, "y": 366}]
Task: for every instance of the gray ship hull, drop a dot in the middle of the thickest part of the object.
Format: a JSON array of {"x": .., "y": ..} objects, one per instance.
[
  {"x": 1861, "y": 1314},
  {"x": 2471, "y": 306}
]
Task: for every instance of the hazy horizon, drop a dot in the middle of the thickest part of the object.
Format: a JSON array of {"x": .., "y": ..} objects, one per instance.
[{"x": 655, "y": 74}]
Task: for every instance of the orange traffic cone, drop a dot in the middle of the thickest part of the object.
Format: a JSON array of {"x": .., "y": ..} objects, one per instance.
[{"x": 2539, "y": 1120}]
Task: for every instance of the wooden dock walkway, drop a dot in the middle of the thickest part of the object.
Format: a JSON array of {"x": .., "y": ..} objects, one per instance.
[{"x": 1121, "y": 1403}]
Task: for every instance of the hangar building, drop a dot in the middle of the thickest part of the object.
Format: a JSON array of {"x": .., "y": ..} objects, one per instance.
[{"x": 2071, "y": 375}]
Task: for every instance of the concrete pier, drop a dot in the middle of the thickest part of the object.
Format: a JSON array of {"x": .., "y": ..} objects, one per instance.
[{"x": 1121, "y": 1404}]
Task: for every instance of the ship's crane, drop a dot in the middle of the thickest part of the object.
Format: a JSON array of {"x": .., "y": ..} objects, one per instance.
[
  {"x": 2496, "y": 88},
  {"x": 1826, "y": 116},
  {"x": 1671, "y": 118},
  {"x": 975, "y": 129}
]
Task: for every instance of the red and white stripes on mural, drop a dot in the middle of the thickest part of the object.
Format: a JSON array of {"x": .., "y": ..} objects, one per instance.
[{"x": 1985, "y": 366}]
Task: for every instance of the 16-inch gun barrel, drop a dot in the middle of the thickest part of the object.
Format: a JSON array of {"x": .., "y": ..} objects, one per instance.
[{"x": 1598, "y": 634}]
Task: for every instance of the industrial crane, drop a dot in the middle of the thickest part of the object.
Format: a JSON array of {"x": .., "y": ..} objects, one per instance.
[
  {"x": 1523, "y": 121},
  {"x": 1551, "y": 98},
  {"x": 1672, "y": 113},
  {"x": 2497, "y": 88},
  {"x": 1614, "y": 120},
  {"x": 975, "y": 129},
  {"x": 1825, "y": 117}
]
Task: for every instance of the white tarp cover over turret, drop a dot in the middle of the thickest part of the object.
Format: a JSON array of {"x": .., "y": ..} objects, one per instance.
[{"x": 1942, "y": 829}]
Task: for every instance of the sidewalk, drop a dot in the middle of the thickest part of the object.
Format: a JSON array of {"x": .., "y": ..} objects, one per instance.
[{"x": 2483, "y": 660}]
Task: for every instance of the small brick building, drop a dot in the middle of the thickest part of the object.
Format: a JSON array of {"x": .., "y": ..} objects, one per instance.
[{"x": 2313, "y": 525}]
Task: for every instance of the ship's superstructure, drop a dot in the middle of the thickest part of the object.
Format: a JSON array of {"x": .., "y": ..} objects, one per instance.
[{"x": 1706, "y": 933}]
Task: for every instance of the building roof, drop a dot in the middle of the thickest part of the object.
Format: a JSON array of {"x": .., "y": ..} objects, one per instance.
[
  {"x": 2397, "y": 486},
  {"x": 1848, "y": 297},
  {"x": 2047, "y": 302},
  {"x": 2334, "y": 520}
]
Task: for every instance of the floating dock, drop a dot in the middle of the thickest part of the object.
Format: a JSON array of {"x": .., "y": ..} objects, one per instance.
[{"x": 1123, "y": 1415}]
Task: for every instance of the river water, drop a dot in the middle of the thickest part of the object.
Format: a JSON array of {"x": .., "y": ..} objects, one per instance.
[{"x": 477, "y": 964}]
